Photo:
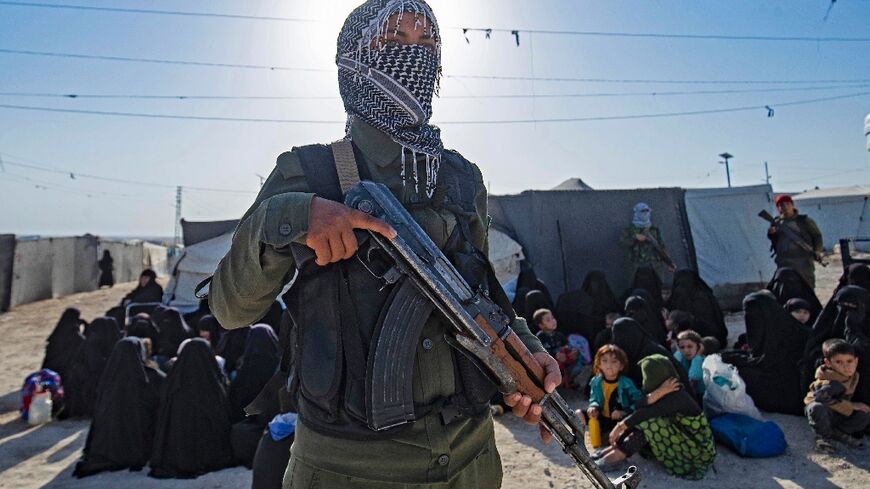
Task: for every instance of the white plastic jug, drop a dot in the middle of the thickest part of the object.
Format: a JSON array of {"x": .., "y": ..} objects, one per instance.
[{"x": 40, "y": 408}]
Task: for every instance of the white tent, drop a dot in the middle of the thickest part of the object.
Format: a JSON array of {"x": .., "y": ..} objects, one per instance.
[
  {"x": 731, "y": 245},
  {"x": 839, "y": 212},
  {"x": 195, "y": 264}
]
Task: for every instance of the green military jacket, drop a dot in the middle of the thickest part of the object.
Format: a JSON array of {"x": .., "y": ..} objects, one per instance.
[
  {"x": 259, "y": 265},
  {"x": 804, "y": 227},
  {"x": 641, "y": 252}
]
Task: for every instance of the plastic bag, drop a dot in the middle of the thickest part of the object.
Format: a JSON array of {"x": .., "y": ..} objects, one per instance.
[{"x": 725, "y": 391}]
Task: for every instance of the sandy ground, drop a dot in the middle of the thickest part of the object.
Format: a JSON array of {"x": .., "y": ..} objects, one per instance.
[{"x": 43, "y": 456}]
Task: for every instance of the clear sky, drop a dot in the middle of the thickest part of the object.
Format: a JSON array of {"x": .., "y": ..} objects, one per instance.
[{"x": 819, "y": 144}]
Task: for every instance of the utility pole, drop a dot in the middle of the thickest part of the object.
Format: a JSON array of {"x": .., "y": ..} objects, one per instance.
[
  {"x": 727, "y": 157},
  {"x": 766, "y": 174},
  {"x": 178, "y": 191}
]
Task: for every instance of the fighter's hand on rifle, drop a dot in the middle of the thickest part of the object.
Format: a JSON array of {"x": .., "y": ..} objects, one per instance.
[
  {"x": 522, "y": 406},
  {"x": 640, "y": 238},
  {"x": 330, "y": 230},
  {"x": 771, "y": 230}
]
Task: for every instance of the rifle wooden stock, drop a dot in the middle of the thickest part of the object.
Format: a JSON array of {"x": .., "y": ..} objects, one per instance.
[{"x": 519, "y": 361}]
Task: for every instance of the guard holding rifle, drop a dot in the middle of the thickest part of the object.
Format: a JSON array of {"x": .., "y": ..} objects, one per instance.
[
  {"x": 644, "y": 243},
  {"x": 795, "y": 240}
]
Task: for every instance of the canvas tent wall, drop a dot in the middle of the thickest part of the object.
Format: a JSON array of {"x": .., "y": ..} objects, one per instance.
[
  {"x": 839, "y": 212},
  {"x": 195, "y": 264},
  {"x": 591, "y": 222},
  {"x": 731, "y": 245}
]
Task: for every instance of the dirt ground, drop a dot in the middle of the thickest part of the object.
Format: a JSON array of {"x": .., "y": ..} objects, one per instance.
[{"x": 43, "y": 456}]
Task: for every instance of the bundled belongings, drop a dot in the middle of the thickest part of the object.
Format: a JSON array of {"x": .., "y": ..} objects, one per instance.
[
  {"x": 725, "y": 391},
  {"x": 125, "y": 410},
  {"x": 44, "y": 385},
  {"x": 748, "y": 436},
  {"x": 770, "y": 366}
]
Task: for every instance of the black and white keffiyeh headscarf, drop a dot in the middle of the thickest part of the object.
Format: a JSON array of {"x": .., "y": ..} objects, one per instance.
[{"x": 391, "y": 86}]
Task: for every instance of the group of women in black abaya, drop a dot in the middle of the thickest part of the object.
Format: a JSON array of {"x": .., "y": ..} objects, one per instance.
[
  {"x": 779, "y": 354},
  {"x": 162, "y": 392}
]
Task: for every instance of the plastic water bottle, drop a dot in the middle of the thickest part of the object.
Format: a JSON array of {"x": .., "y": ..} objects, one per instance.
[
  {"x": 594, "y": 432},
  {"x": 40, "y": 408}
]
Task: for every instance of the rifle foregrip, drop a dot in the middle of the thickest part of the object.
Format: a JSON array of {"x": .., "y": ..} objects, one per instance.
[{"x": 523, "y": 366}]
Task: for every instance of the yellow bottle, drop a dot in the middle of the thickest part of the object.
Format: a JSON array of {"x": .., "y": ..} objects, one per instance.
[{"x": 594, "y": 432}]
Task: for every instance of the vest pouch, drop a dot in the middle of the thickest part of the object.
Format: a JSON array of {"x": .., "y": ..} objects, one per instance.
[{"x": 319, "y": 358}]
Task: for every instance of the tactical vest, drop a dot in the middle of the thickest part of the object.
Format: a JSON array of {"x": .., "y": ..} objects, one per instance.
[
  {"x": 338, "y": 308},
  {"x": 785, "y": 247}
]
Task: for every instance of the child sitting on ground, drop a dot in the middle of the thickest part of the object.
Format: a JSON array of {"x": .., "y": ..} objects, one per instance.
[
  {"x": 555, "y": 343},
  {"x": 612, "y": 395},
  {"x": 829, "y": 408},
  {"x": 799, "y": 309},
  {"x": 690, "y": 356}
]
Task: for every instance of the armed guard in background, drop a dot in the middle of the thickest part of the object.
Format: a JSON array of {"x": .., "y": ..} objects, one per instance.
[{"x": 787, "y": 249}]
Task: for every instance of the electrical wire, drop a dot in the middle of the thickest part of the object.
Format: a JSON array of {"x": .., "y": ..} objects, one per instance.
[
  {"x": 442, "y": 97},
  {"x": 75, "y": 174},
  {"x": 487, "y": 30},
  {"x": 447, "y": 76},
  {"x": 768, "y": 108}
]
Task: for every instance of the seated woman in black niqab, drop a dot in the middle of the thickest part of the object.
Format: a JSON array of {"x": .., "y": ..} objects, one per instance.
[
  {"x": 210, "y": 330},
  {"x": 647, "y": 279},
  {"x": 582, "y": 310},
  {"x": 125, "y": 410},
  {"x": 64, "y": 342},
  {"x": 535, "y": 300},
  {"x": 80, "y": 388},
  {"x": 637, "y": 345},
  {"x": 849, "y": 320},
  {"x": 691, "y": 294},
  {"x": 143, "y": 327},
  {"x": 769, "y": 367},
  {"x": 173, "y": 330},
  {"x": 148, "y": 289},
  {"x": 258, "y": 366},
  {"x": 640, "y": 308},
  {"x": 788, "y": 284},
  {"x": 527, "y": 282},
  {"x": 232, "y": 347},
  {"x": 192, "y": 436}
]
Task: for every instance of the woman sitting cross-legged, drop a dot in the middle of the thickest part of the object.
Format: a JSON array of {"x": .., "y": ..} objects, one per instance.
[{"x": 667, "y": 423}]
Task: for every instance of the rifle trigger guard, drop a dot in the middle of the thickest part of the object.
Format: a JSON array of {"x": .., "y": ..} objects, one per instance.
[{"x": 390, "y": 276}]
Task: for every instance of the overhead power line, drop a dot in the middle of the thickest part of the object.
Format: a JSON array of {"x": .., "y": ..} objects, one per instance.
[
  {"x": 486, "y": 30},
  {"x": 157, "y": 12},
  {"x": 442, "y": 97},
  {"x": 448, "y": 75},
  {"x": 74, "y": 174},
  {"x": 767, "y": 108}
]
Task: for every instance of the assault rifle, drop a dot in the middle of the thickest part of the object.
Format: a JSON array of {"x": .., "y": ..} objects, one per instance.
[
  {"x": 790, "y": 234},
  {"x": 659, "y": 248},
  {"x": 426, "y": 280}
]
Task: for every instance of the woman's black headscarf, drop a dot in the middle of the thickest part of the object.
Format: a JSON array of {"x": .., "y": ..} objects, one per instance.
[
  {"x": 640, "y": 307},
  {"x": 647, "y": 279},
  {"x": 770, "y": 367},
  {"x": 691, "y": 294},
  {"x": 210, "y": 323},
  {"x": 125, "y": 410},
  {"x": 637, "y": 344},
  {"x": 87, "y": 367},
  {"x": 788, "y": 284},
  {"x": 143, "y": 327},
  {"x": 232, "y": 347},
  {"x": 192, "y": 436},
  {"x": 173, "y": 330},
  {"x": 64, "y": 342},
  {"x": 261, "y": 358},
  {"x": 535, "y": 300},
  {"x": 582, "y": 311},
  {"x": 151, "y": 292}
]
